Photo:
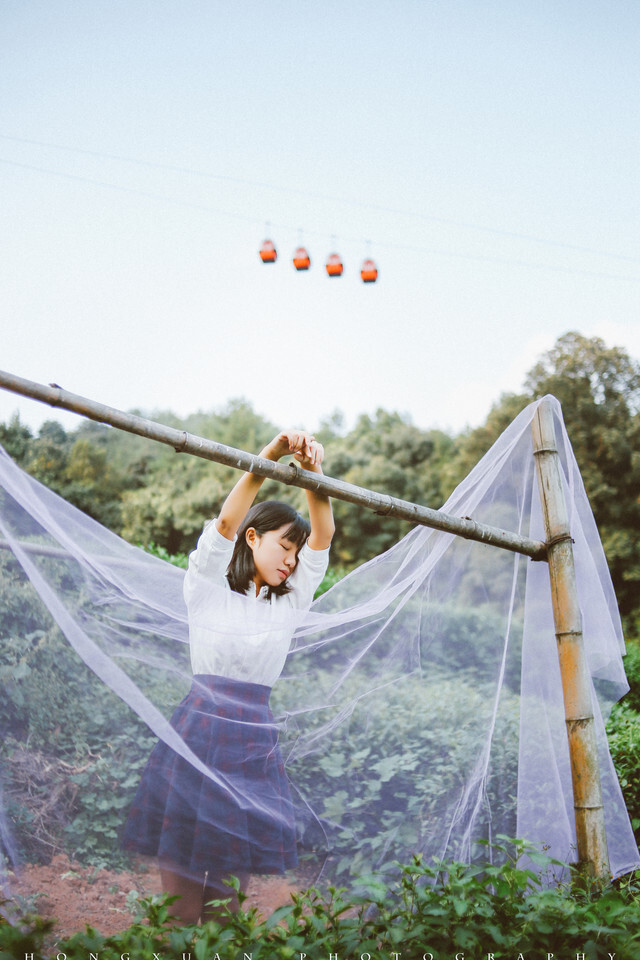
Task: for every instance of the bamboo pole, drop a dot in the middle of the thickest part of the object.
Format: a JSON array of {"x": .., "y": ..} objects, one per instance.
[
  {"x": 38, "y": 548},
  {"x": 290, "y": 474},
  {"x": 593, "y": 857}
]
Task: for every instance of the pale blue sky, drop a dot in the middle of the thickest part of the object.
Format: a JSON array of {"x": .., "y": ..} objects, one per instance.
[{"x": 485, "y": 153}]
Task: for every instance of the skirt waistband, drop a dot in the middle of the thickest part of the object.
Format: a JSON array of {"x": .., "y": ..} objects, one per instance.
[{"x": 236, "y": 690}]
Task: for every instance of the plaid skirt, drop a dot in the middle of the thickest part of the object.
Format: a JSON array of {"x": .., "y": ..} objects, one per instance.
[{"x": 241, "y": 822}]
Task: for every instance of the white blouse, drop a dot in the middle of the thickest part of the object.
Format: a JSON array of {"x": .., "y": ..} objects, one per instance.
[{"x": 243, "y": 638}]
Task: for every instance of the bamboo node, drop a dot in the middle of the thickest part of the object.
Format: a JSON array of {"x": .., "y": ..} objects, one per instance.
[
  {"x": 181, "y": 446},
  {"x": 56, "y": 401},
  {"x": 560, "y": 539}
]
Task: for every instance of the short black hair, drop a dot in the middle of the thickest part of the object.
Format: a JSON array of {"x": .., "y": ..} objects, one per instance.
[{"x": 269, "y": 515}]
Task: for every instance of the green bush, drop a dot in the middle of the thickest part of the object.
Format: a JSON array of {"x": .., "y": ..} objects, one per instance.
[
  {"x": 392, "y": 775},
  {"x": 632, "y": 669},
  {"x": 623, "y": 731},
  {"x": 331, "y": 577},
  {"x": 69, "y": 790},
  {"x": 390, "y": 761},
  {"x": 177, "y": 559},
  {"x": 441, "y": 909},
  {"x": 382, "y": 773},
  {"x": 105, "y": 790}
]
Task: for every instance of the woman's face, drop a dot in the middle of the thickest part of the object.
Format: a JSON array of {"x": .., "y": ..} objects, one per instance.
[{"x": 274, "y": 556}]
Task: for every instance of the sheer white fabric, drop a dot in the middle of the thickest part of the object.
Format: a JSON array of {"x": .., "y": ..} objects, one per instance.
[{"x": 419, "y": 708}]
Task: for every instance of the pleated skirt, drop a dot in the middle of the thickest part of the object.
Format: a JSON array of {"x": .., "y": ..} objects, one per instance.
[{"x": 241, "y": 821}]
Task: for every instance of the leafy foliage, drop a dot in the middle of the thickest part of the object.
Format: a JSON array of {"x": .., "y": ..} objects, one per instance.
[
  {"x": 69, "y": 790},
  {"x": 437, "y": 910},
  {"x": 599, "y": 390},
  {"x": 623, "y": 730},
  {"x": 388, "y": 774},
  {"x": 632, "y": 669},
  {"x": 385, "y": 453}
]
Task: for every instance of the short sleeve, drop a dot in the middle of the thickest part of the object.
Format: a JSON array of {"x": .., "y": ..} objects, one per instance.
[
  {"x": 210, "y": 559},
  {"x": 307, "y": 576}
]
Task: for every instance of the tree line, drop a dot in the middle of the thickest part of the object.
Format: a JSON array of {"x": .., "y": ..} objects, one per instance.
[{"x": 149, "y": 495}]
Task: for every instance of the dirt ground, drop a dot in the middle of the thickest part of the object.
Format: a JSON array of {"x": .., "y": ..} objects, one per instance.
[{"x": 76, "y": 896}]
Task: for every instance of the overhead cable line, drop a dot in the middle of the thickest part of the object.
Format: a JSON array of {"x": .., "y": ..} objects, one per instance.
[
  {"x": 391, "y": 244},
  {"x": 365, "y": 204}
]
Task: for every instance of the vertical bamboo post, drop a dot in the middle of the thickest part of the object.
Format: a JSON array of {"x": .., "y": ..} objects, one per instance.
[{"x": 593, "y": 857}]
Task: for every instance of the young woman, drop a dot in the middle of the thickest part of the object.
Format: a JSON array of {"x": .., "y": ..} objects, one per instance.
[{"x": 239, "y": 819}]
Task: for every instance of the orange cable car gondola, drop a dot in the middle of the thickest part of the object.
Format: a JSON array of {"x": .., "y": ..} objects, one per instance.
[
  {"x": 301, "y": 259},
  {"x": 334, "y": 265},
  {"x": 369, "y": 271},
  {"x": 268, "y": 252}
]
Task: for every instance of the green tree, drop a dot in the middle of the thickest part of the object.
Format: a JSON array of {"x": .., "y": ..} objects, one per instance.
[
  {"x": 599, "y": 390},
  {"x": 92, "y": 484},
  {"x": 172, "y": 508},
  {"x": 470, "y": 446},
  {"x": 48, "y": 456},
  {"x": 16, "y": 438},
  {"x": 74, "y": 465},
  {"x": 178, "y": 494},
  {"x": 391, "y": 455}
]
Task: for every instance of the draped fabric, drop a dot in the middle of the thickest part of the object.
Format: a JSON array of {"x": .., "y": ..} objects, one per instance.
[{"x": 419, "y": 710}]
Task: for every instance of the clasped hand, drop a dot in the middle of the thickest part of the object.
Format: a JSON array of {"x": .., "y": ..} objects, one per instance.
[{"x": 305, "y": 448}]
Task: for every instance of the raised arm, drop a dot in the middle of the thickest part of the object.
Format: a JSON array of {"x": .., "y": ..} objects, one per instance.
[
  {"x": 320, "y": 512},
  {"x": 309, "y": 454}
]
